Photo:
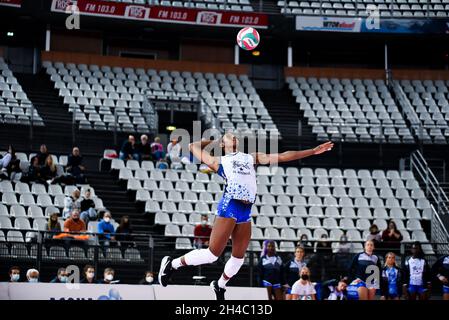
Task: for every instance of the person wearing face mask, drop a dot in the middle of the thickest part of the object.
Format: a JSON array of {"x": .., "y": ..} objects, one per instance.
[
  {"x": 106, "y": 231},
  {"x": 303, "y": 289},
  {"x": 14, "y": 274},
  {"x": 61, "y": 276},
  {"x": 202, "y": 233},
  {"x": 291, "y": 271},
  {"x": 32, "y": 276},
  {"x": 89, "y": 274},
  {"x": 149, "y": 278},
  {"x": 108, "y": 277}
]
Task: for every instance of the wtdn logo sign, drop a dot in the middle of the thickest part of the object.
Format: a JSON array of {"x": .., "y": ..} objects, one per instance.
[
  {"x": 373, "y": 19},
  {"x": 73, "y": 20}
]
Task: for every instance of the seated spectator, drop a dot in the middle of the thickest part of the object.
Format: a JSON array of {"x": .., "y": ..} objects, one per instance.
[
  {"x": 374, "y": 234},
  {"x": 87, "y": 207},
  {"x": 14, "y": 274},
  {"x": 70, "y": 203},
  {"x": 32, "y": 276},
  {"x": 108, "y": 277},
  {"x": 157, "y": 149},
  {"x": 303, "y": 289},
  {"x": 89, "y": 274},
  {"x": 53, "y": 225},
  {"x": 335, "y": 289},
  {"x": 34, "y": 172},
  {"x": 344, "y": 246},
  {"x": 144, "y": 148},
  {"x": 106, "y": 232},
  {"x": 304, "y": 242},
  {"x": 174, "y": 151},
  {"x": 49, "y": 170},
  {"x": 74, "y": 223},
  {"x": 10, "y": 165},
  {"x": 42, "y": 155},
  {"x": 61, "y": 276},
  {"x": 391, "y": 237},
  {"x": 123, "y": 232},
  {"x": 129, "y": 149},
  {"x": 270, "y": 270},
  {"x": 75, "y": 166},
  {"x": 202, "y": 233},
  {"x": 323, "y": 246},
  {"x": 148, "y": 279},
  {"x": 6, "y": 159}
]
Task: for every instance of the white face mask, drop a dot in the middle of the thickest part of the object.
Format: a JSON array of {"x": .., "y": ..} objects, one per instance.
[
  {"x": 63, "y": 279},
  {"x": 149, "y": 279},
  {"x": 109, "y": 277},
  {"x": 107, "y": 219},
  {"x": 15, "y": 277},
  {"x": 33, "y": 280},
  {"x": 90, "y": 275},
  {"x": 203, "y": 223}
]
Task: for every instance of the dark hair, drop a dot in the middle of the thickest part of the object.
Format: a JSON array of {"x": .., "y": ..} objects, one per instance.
[
  {"x": 344, "y": 279},
  {"x": 87, "y": 267},
  {"x": 13, "y": 150},
  {"x": 124, "y": 224},
  {"x": 394, "y": 223},
  {"x": 418, "y": 246},
  {"x": 14, "y": 268},
  {"x": 61, "y": 270}
]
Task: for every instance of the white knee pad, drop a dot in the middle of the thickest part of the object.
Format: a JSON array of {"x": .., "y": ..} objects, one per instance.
[
  {"x": 233, "y": 266},
  {"x": 199, "y": 257}
]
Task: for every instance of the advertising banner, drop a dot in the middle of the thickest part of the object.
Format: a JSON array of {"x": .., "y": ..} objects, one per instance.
[
  {"x": 162, "y": 14},
  {"x": 336, "y": 24},
  {"x": 11, "y": 3}
]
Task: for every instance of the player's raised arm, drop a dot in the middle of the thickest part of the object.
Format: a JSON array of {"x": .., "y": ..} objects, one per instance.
[
  {"x": 197, "y": 148},
  {"x": 265, "y": 159}
]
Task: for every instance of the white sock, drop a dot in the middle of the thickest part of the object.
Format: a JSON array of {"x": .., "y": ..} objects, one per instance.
[
  {"x": 231, "y": 268},
  {"x": 195, "y": 258}
]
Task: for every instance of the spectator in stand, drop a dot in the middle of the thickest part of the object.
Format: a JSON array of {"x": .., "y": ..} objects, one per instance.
[
  {"x": 108, "y": 276},
  {"x": 391, "y": 237},
  {"x": 75, "y": 166},
  {"x": 440, "y": 270},
  {"x": 343, "y": 245},
  {"x": 358, "y": 271},
  {"x": 106, "y": 232},
  {"x": 292, "y": 269},
  {"x": 14, "y": 274},
  {"x": 417, "y": 277},
  {"x": 42, "y": 155},
  {"x": 129, "y": 149},
  {"x": 87, "y": 207},
  {"x": 34, "y": 172},
  {"x": 10, "y": 165},
  {"x": 32, "y": 275},
  {"x": 49, "y": 170},
  {"x": 270, "y": 270},
  {"x": 6, "y": 159},
  {"x": 202, "y": 233},
  {"x": 335, "y": 289},
  {"x": 144, "y": 148},
  {"x": 123, "y": 233},
  {"x": 157, "y": 149},
  {"x": 304, "y": 242},
  {"x": 323, "y": 246},
  {"x": 89, "y": 275},
  {"x": 71, "y": 203},
  {"x": 148, "y": 279},
  {"x": 174, "y": 151},
  {"x": 73, "y": 224},
  {"x": 391, "y": 279},
  {"x": 53, "y": 225},
  {"x": 303, "y": 289},
  {"x": 61, "y": 276},
  {"x": 374, "y": 234}
]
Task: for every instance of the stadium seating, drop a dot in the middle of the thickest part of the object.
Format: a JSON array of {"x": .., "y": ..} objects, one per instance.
[
  {"x": 95, "y": 94},
  {"x": 350, "y": 110},
  {"x": 15, "y": 107},
  {"x": 290, "y": 202},
  {"x": 430, "y": 102},
  {"x": 396, "y": 8},
  {"x": 234, "y": 5}
]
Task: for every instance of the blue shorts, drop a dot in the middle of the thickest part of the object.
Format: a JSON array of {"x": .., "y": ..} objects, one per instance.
[
  {"x": 235, "y": 209},
  {"x": 269, "y": 284},
  {"x": 445, "y": 289},
  {"x": 416, "y": 289}
]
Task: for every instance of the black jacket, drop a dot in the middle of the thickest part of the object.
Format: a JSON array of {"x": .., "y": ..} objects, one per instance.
[
  {"x": 384, "y": 282},
  {"x": 270, "y": 272}
]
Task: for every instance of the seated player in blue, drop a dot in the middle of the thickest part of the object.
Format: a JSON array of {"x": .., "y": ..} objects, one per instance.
[
  {"x": 440, "y": 270},
  {"x": 417, "y": 281},
  {"x": 270, "y": 270},
  {"x": 292, "y": 269},
  {"x": 337, "y": 290},
  {"x": 391, "y": 279},
  {"x": 363, "y": 268}
]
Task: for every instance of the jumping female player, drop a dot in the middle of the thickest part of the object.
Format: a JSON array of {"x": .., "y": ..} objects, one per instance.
[{"x": 234, "y": 209}]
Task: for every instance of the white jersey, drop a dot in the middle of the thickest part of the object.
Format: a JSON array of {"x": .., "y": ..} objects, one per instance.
[
  {"x": 416, "y": 271},
  {"x": 240, "y": 175}
]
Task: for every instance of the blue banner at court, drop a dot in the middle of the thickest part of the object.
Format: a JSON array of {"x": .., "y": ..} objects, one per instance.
[{"x": 373, "y": 25}]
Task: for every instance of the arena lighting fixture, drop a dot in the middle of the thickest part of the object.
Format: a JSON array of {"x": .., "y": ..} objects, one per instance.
[
  {"x": 255, "y": 53},
  {"x": 171, "y": 128},
  {"x": 10, "y": 34}
]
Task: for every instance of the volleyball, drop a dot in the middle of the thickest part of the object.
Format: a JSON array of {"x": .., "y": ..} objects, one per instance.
[{"x": 248, "y": 38}]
